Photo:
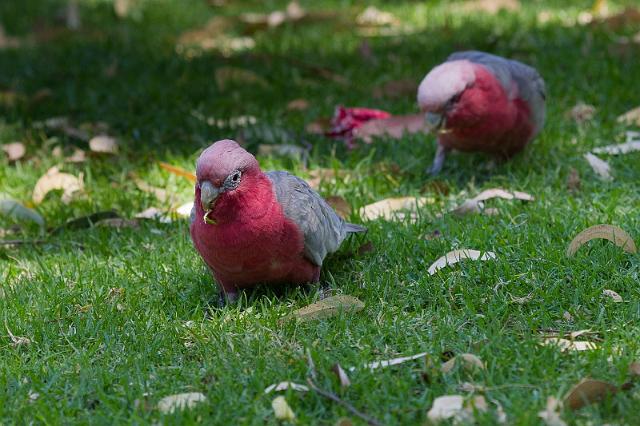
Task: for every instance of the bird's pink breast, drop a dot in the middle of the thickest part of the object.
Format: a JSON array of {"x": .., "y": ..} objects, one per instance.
[
  {"x": 487, "y": 120},
  {"x": 254, "y": 243}
]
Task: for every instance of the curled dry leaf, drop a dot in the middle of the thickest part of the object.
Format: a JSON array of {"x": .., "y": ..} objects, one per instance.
[
  {"x": 623, "y": 148},
  {"x": 613, "y": 295},
  {"x": 551, "y": 414},
  {"x": 476, "y": 204},
  {"x": 342, "y": 375},
  {"x": 340, "y": 205},
  {"x": 17, "y": 341},
  {"x": 14, "y": 150},
  {"x": 329, "y": 307},
  {"x": 103, "y": 144},
  {"x": 581, "y": 112},
  {"x": 226, "y": 76},
  {"x": 607, "y": 232},
  {"x": 178, "y": 171},
  {"x": 456, "y": 256},
  {"x": 469, "y": 362},
  {"x": 601, "y": 167},
  {"x": 394, "y": 361},
  {"x": 78, "y": 156},
  {"x": 15, "y": 210},
  {"x": 281, "y": 409},
  {"x": 284, "y": 386},
  {"x": 53, "y": 180},
  {"x": 394, "y": 127},
  {"x": 454, "y": 406},
  {"x": 569, "y": 345},
  {"x": 586, "y": 392},
  {"x": 631, "y": 118},
  {"x": 181, "y": 401},
  {"x": 392, "y": 208}
]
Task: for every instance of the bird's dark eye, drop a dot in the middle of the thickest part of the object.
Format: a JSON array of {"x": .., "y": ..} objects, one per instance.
[{"x": 235, "y": 177}]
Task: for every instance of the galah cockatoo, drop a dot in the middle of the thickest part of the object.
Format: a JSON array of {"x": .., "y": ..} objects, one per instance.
[
  {"x": 481, "y": 102},
  {"x": 252, "y": 227}
]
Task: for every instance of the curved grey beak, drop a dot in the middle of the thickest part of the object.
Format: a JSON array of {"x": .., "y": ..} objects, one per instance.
[
  {"x": 208, "y": 195},
  {"x": 434, "y": 121}
]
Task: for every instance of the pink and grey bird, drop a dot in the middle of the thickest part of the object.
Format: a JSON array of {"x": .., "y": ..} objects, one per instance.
[
  {"x": 480, "y": 102},
  {"x": 252, "y": 227}
]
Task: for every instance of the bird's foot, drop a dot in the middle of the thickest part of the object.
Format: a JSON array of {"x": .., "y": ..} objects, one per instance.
[
  {"x": 438, "y": 160},
  {"x": 227, "y": 298}
]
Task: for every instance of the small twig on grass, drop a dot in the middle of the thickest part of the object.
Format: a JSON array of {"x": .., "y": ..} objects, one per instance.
[{"x": 333, "y": 397}]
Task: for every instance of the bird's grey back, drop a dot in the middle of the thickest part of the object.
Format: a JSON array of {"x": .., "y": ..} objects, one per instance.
[
  {"x": 530, "y": 85},
  {"x": 323, "y": 229}
]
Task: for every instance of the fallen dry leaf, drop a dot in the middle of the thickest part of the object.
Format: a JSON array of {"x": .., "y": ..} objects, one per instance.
[
  {"x": 613, "y": 295},
  {"x": 396, "y": 89},
  {"x": 551, "y": 414},
  {"x": 14, "y": 150},
  {"x": 393, "y": 208},
  {"x": 623, "y": 148},
  {"x": 161, "y": 194},
  {"x": 63, "y": 124},
  {"x": 154, "y": 214},
  {"x": 634, "y": 368},
  {"x": 318, "y": 127},
  {"x": 454, "y": 406},
  {"x": 54, "y": 180},
  {"x": 601, "y": 167},
  {"x": 567, "y": 316},
  {"x": 456, "y": 256},
  {"x": 522, "y": 300},
  {"x": 372, "y": 16},
  {"x": 631, "y": 118},
  {"x": 226, "y": 76},
  {"x": 394, "y": 127},
  {"x": 340, "y": 205},
  {"x": 627, "y": 17},
  {"x": 284, "y": 386},
  {"x": 298, "y": 105},
  {"x": 185, "y": 209},
  {"x": 342, "y": 376},
  {"x": 573, "y": 180},
  {"x": 394, "y": 361},
  {"x": 476, "y": 204},
  {"x": 78, "y": 156},
  {"x": 317, "y": 176},
  {"x": 178, "y": 171},
  {"x": 607, "y": 232},
  {"x": 581, "y": 112},
  {"x": 329, "y": 307},
  {"x": 469, "y": 362},
  {"x": 103, "y": 144},
  {"x": 17, "y": 341},
  {"x": 181, "y": 401},
  {"x": 586, "y": 392},
  {"x": 118, "y": 223},
  {"x": 12, "y": 208},
  {"x": 281, "y": 409},
  {"x": 569, "y": 345}
]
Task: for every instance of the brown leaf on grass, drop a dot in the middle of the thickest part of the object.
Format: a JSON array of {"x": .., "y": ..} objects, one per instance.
[
  {"x": 341, "y": 375},
  {"x": 298, "y": 105},
  {"x": 374, "y": 17},
  {"x": 490, "y": 6},
  {"x": 319, "y": 126},
  {"x": 14, "y": 150},
  {"x": 573, "y": 180},
  {"x": 327, "y": 308},
  {"x": 54, "y": 180},
  {"x": 122, "y": 7},
  {"x": 227, "y": 76},
  {"x": 608, "y": 232},
  {"x": 454, "y": 406},
  {"x": 281, "y": 409},
  {"x": 601, "y": 167},
  {"x": 569, "y": 345},
  {"x": 634, "y": 368},
  {"x": 78, "y": 156},
  {"x": 277, "y": 387},
  {"x": 178, "y": 171},
  {"x": 631, "y": 118},
  {"x": 456, "y": 256},
  {"x": 394, "y": 127},
  {"x": 103, "y": 144},
  {"x": 340, "y": 205},
  {"x": 469, "y": 362},
  {"x": 366, "y": 247},
  {"x": 627, "y": 17},
  {"x": 396, "y": 89},
  {"x": 161, "y": 194},
  {"x": 613, "y": 295},
  {"x": 181, "y": 401},
  {"x": 581, "y": 112},
  {"x": 394, "y": 208},
  {"x": 551, "y": 414},
  {"x": 154, "y": 213},
  {"x": 317, "y": 176},
  {"x": 476, "y": 204},
  {"x": 586, "y": 392}
]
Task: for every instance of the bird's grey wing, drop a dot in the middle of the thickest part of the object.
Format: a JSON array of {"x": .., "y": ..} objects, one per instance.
[
  {"x": 323, "y": 229},
  {"x": 528, "y": 82}
]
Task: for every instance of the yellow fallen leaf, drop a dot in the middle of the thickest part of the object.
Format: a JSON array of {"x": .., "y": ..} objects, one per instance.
[
  {"x": 53, "y": 180},
  {"x": 329, "y": 307},
  {"x": 281, "y": 409},
  {"x": 476, "y": 204},
  {"x": 393, "y": 208},
  {"x": 607, "y": 232},
  {"x": 631, "y": 118},
  {"x": 566, "y": 345},
  {"x": 586, "y": 392},
  {"x": 469, "y": 362},
  {"x": 613, "y": 295},
  {"x": 456, "y": 256}
]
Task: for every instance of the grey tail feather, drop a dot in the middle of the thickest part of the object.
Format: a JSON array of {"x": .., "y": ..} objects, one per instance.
[{"x": 352, "y": 227}]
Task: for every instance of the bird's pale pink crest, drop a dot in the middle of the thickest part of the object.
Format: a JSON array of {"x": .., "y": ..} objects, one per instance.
[{"x": 443, "y": 83}]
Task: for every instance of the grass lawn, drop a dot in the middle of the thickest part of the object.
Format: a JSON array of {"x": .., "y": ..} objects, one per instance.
[{"x": 119, "y": 318}]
